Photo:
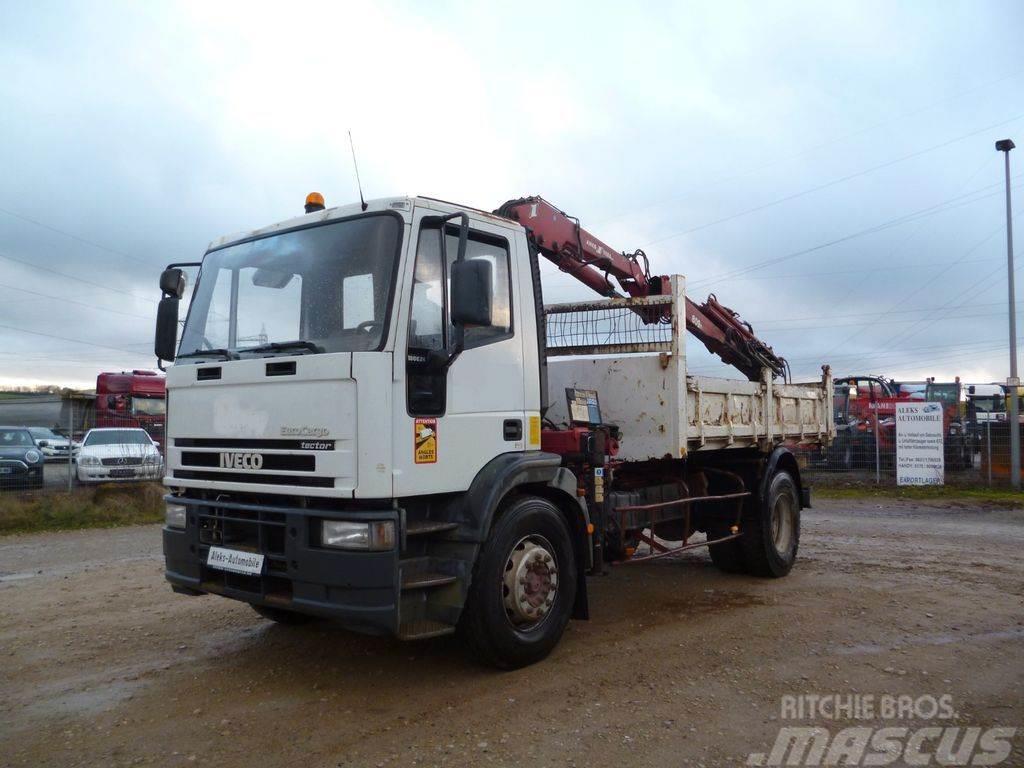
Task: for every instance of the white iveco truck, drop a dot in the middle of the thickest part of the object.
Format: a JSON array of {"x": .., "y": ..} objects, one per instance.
[{"x": 372, "y": 417}]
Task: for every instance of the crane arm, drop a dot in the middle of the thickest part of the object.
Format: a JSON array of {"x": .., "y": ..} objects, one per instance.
[{"x": 561, "y": 239}]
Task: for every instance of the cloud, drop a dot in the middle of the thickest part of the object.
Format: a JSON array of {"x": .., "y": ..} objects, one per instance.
[{"x": 149, "y": 130}]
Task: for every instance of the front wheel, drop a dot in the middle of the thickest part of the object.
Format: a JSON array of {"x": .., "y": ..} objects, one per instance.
[
  {"x": 771, "y": 531},
  {"x": 523, "y": 587}
]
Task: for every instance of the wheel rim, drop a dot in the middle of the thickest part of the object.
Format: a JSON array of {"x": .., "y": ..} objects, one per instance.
[
  {"x": 782, "y": 523},
  {"x": 529, "y": 583}
]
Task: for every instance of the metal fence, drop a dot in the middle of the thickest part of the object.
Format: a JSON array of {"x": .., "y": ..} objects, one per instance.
[
  {"x": 51, "y": 443},
  {"x": 609, "y": 326},
  {"x": 974, "y": 453}
]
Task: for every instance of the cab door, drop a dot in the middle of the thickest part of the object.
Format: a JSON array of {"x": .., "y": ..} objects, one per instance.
[{"x": 455, "y": 412}]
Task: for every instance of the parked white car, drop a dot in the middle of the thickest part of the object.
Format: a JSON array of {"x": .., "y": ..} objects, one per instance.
[
  {"x": 114, "y": 454},
  {"x": 53, "y": 445}
]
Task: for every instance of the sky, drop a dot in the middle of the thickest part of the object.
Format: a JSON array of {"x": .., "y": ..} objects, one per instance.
[{"x": 826, "y": 169}]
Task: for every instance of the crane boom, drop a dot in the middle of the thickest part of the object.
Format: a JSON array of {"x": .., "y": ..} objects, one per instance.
[{"x": 560, "y": 238}]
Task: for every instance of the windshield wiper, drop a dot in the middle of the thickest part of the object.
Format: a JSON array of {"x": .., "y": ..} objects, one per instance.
[
  {"x": 281, "y": 346},
  {"x": 227, "y": 354}
]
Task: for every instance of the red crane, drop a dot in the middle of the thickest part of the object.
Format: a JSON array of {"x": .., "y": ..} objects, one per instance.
[{"x": 560, "y": 238}]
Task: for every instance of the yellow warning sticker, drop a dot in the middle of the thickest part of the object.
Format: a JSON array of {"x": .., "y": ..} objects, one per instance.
[
  {"x": 425, "y": 441},
  {"x": 535, "y": 430}
]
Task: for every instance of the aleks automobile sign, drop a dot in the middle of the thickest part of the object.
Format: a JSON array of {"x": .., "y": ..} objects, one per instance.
[{"x": 919, "y": 435}]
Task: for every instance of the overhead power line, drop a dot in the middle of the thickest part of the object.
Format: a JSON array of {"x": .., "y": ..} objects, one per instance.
[
  {"x": 65, "y": 338},
  {"x": 78, "y": 238},
  {"x": 65, "y": 300},
  {"x": 931, "y": 210},
  {"x": 816, "y": 327},
  {"x": 833, "y": 316},
  {"x": 888, "y": 268},
  {"x": 76, "y": 278},
  {"x": 814, "y": 148},
  {"x": 833, "y": 183}
]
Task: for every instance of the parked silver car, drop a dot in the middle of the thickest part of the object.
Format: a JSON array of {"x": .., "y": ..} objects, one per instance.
[{"x": 53, "y": 445}]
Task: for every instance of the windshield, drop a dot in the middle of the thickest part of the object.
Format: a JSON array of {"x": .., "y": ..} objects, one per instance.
[
  {"x": 15, "y": 437},
  {"x": 149, "y": 406},
  {"x": 989, "y": 403},
  {"x": 118, "y": 437},
  {"x": 948, "y": 394},
  {"x": 327, "y": 285}
]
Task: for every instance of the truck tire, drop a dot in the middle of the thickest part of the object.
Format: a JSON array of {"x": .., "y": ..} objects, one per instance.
[
  {"x": 523, "y": 587},
  {"x": 282, "y": 615},
  {"x": 771, "y": 529}
]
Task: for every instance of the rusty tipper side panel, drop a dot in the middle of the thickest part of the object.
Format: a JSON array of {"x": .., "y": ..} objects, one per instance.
[{"x": 645, "y": 390}]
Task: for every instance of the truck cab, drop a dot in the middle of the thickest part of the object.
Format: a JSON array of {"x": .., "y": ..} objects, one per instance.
[{"x": 131, "y": 399}]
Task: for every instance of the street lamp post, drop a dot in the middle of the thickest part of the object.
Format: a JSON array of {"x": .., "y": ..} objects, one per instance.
[{"x": 1013, "y": 382}]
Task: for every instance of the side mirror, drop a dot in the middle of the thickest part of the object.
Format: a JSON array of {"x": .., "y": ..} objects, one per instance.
[
  {"x": 166, "y": 339},
  {"x": 471, "y": 292},
  {"x": 172, "y": 282},
  {"x": 44, "y": 443}
]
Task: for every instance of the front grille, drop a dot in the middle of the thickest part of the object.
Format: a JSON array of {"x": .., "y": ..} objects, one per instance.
[
  {"x": 310, "y": 444},
  {"x": 278, "y": 461},
  {"x": 249, "y": 531},
  {"x": 123, "y": 461},
  {"x": 254, "y": 477}
]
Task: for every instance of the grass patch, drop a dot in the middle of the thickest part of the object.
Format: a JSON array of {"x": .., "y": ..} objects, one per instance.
[
  {"x": 976, "y": 494},
  {"x": 101, "y": 507}
]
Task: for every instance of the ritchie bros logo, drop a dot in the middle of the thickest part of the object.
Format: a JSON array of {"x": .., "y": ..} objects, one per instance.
[{"x": 900, "y": 740}]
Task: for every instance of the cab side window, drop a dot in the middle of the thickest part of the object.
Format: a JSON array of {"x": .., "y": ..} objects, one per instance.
[
  {"x": 427, "y": 316},
  {"x": 430, "y": 326},
  {"x": 494, "y": 250},
  {"x": 430, "y": 321}
]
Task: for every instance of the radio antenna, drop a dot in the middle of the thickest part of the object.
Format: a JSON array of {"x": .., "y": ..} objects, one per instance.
[{"x": 355, "y": 165}]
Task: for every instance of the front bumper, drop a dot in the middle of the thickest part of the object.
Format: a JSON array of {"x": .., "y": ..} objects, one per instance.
[
  {"x": 101, "y": 474},
  {"x": 20, "y": 473},
  {"x": 56, "y": 454},
  {"x": 360, "y": 589}
]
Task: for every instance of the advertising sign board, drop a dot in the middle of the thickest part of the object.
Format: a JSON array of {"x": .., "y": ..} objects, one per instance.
[{"x": 919, "y": 450}]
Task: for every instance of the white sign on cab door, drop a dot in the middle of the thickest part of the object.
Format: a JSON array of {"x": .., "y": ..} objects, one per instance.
[{"x": 919, "y": 451}]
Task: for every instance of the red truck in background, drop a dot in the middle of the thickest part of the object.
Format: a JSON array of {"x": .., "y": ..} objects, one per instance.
[
  {"x": 861, "y": 400},
  {"x": 132, "y": 399},
  {"x": 858, "y": 401}
]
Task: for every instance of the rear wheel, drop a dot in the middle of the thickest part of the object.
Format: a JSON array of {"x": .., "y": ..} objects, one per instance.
[
  {"x": 523, "y": 588},
  {"x": 282, "y": 615},
  {"x": 771, "y": 530}
]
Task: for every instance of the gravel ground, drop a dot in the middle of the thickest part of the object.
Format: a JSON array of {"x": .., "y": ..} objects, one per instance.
[{"x": 681, "y": 665}]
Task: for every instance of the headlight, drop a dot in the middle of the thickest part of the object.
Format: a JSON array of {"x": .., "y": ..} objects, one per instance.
[
  {"x": 151, "y": 458},
  {"x": 343, "y": 534},
  {"x": 89, "y": 460},
  {"x": 175, "y": 515},
  {"x": 33, "y": 456},
  {"x": 954, "y": 430}
]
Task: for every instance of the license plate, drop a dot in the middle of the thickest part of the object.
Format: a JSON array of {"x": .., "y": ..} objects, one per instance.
[
  {"x": 122, "y": 473},
  {"x": 237, "y": 562}
]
